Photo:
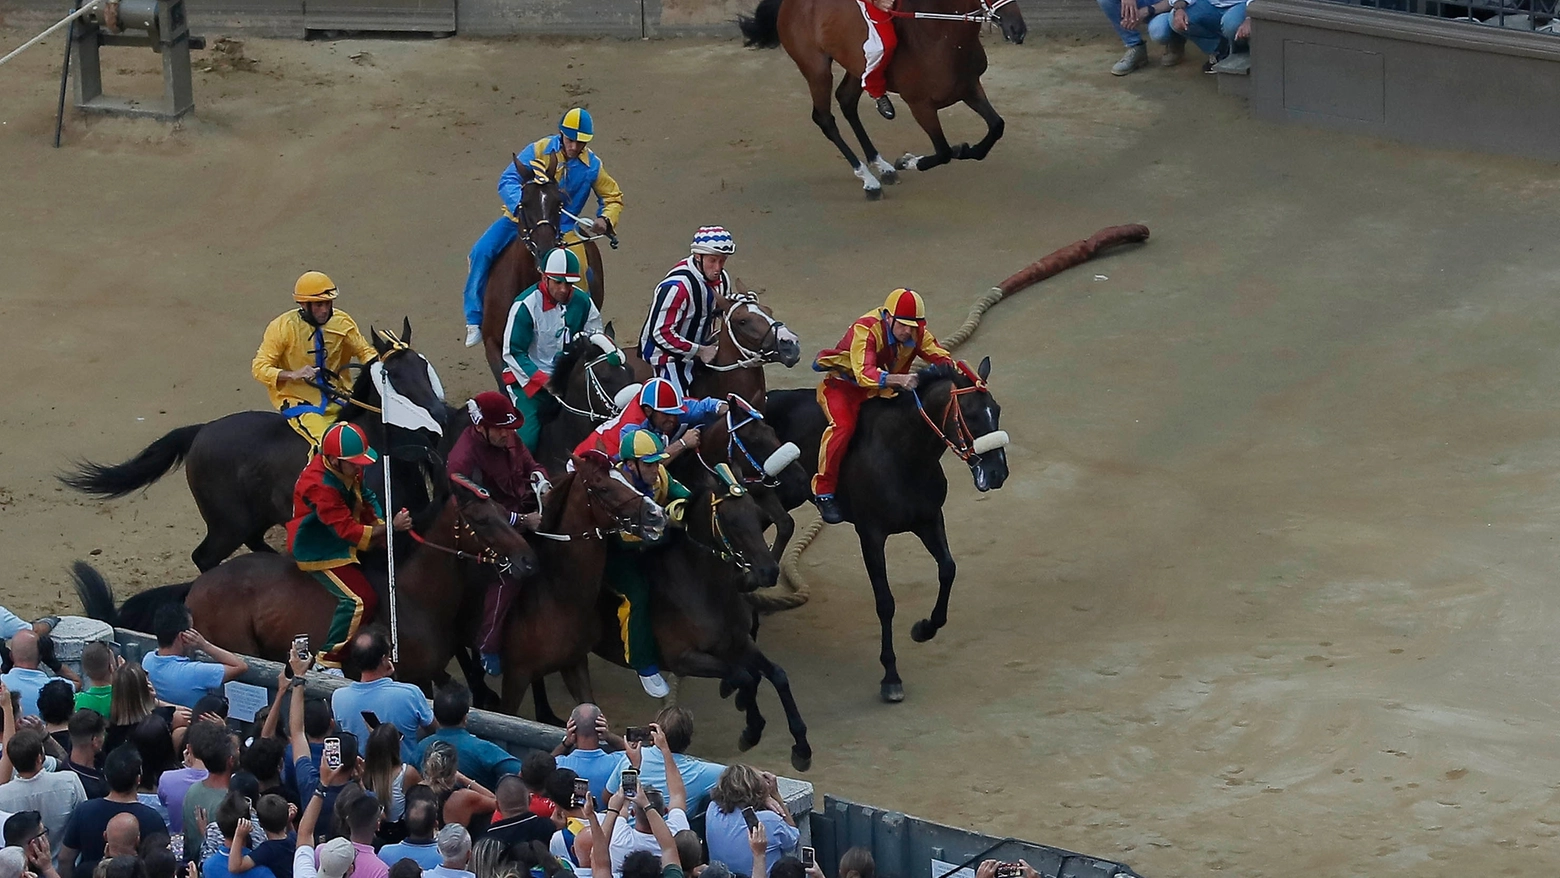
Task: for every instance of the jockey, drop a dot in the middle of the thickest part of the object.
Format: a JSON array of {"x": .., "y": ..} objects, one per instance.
[
  {"x": 335, "y": 516},
  {"x": 879, "y": 51},
  {"x": 541, "y": 322},
  {"x": 683, "y": 309},
  {"x": 644, "y": 456},
  {"x": 579, "y": 173},
  {"x": 658, "y": 407},
  {"x": 488, "y": 454},
  {"x": 872, "y": 360},
  {"x": 303, "y": 357}
]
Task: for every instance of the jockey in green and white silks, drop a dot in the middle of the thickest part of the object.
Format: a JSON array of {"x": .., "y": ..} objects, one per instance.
[{"x": 541, "y": 322}]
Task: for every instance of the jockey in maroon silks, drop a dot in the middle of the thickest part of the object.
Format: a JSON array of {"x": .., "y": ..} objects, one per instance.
[
  {"x": 489, "y": 454},
  {"x": 879, "y": 50}
]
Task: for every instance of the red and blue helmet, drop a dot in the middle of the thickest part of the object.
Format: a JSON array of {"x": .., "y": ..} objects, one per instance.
[{"x": 659, "y": 395}]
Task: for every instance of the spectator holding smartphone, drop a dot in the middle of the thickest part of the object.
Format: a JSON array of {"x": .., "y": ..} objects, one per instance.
[
  {"x": 698, "y": 777},
  {"x": 640, "y": 861},
  {"x": 637, "y": 834},
  {"x": 743, "y": 792},
  {"x": 582, "y": 751}
]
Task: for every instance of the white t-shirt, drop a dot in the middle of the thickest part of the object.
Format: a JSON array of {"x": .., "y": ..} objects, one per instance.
[{"x": 626, "y": 839}]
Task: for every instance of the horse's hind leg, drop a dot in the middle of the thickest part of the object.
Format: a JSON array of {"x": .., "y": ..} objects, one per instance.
[
  {"x": 257, "y": 543},
  {"x": 994, "y": 124},
  {"x": 801, "y": 751},
  {"x": 544, "y": 711},
  {"x": 849, "y": 96},
  {"x": 820, "y": 77},
  {"x": 935, "y": 538},
  {"x": 222, "y": 539},
  {"x": 926, "y": 116},
  {"x": 893, "y": 689}
]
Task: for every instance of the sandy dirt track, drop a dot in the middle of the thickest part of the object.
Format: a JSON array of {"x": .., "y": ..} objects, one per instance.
[{"x": 1269, "y": 591}]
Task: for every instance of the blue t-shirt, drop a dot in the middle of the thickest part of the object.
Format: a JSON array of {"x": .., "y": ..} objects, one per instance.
[
  {"x": 727, "y": 837},
  {"x": 596, "y": 766},
  {"x": 216, "y": 866},
  {"x": 400, "y": 704},
  {"x": 482, "y": 761},
  {"x": 10, "y": 624},
  {"x": 425, "y": 855},
  {"x": 181, "y": 681},
  {"x": 276, "y": 854},
  {"x": 698, "y": 776},
  {"x": 26, "y": 682}
]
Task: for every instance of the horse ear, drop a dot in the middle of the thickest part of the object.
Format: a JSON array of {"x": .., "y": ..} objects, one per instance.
[
  {"x": 984, "y": 369},
  {"x": 373, "y": 335},
  {"x": 609, "y": 331},
  {"x": 406, "y": 329}
]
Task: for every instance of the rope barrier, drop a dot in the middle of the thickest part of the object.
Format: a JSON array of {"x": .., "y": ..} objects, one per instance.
[
  {"x": 89, "y": 7},
  {"x": 797, "y": 588}
]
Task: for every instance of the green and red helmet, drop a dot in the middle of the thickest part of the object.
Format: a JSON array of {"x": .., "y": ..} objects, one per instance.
[{"x": 346, "y": 442}]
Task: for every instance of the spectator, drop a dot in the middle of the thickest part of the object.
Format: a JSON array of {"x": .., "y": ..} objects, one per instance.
[
  {"x": 53, "y": 794},
  {"x": 176, "y": 678},
  {"x": 263, "y": 759},
  {"x": 742, "y": 786},
  {"x": 406, "y": 868},
  {"x": 454, "y": 844},
  {"x": 483, "y": 761},
  {"x": 858, "y": 863},
  {"x": 516, "y": 823},
  {"x": 22, "y": 827},
  {"x": 639, "y": 834},
  {"x": 787, "y": 867},
  {"x": 87, "y": 728},
  {"x": 581, "y": 749},
  {"x": 122, "y": 838},
  {"x": 535, "y": 770},
  {"x": 160, "y": 862},
  {"x": 26, "y": 678},
  {"x": 336, "y": 857},
  {"x": 133, "y": 700},
  {"x": 97, "y": 663},
  {"x": 567, "y": 819},
  {"x": 83, "y": 843},
  {"x": 231, "y": 812},
  {"x": 316, "y": 728},
  {"x": 38, "y": 859},
  {"x": 13, "y": 863},
  {"x": 422, "y": 818},
  {"x": 276, "y": 852},
  {"x": 243, "y": 785},
  {"x": 387, "y": 776},
  {"x": 213, "y": 746},
  {"x": 376, "y": 692},
  {"x": 56, "y": 702},
  {"x": 490, "y": 859},
  {"x": 212, "y": 705},
  {"x": 174, "y": 785},
  {"x": 461, "y": 799},
  {"x": 1214, "y": 25},
  {"x": 698, "y": 776},
  {"x": 690, "y": 852},
  {"x": 536, "y": 860},
  {"x": 363, "y": 814},
  {"x": 123, "y": 867}
]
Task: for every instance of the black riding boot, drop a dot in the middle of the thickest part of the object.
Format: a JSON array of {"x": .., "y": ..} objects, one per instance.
[
  {"x": 885, "y": 107},
  {"x": 828, "y": 510}
]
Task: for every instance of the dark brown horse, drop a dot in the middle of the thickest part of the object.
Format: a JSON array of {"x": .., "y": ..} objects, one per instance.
[
  {"x": 748, "y": 336},
  {"x": 554, "y": 624},
  {"x": 254, "y": 604},
  {"x": 587, "y": 378},
  {"x": 766, "y": 465},
  {"x": 518, "y": 265},
  {"x": 939, "y": 63}
]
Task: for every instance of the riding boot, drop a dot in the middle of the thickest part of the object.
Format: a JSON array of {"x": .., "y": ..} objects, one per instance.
[
  {"x": 885, "y": 107},
  {"x": 828, "y": 510}
]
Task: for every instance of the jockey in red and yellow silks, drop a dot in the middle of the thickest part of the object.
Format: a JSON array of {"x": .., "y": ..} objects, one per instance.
[
  {"x": 879, "y": 51},
  {"x": 873, "y": 359}
]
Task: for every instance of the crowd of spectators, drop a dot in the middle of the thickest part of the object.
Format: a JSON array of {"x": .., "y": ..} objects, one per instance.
[{"x": 1219, "y": 28}]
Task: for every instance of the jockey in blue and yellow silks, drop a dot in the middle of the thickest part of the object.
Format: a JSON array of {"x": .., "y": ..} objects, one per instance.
[
  {"x": 303, "y": 358},
  {"x": 579, "y": 175}
]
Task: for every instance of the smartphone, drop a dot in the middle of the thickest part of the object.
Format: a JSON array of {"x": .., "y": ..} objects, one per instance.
[
  {"x": 809, "y": 858},
  {"x": 301, "y": 646},
  {"x": 1009, "y": 870},
  {"x": 333, "y": 753},
  {"x": 581, "y": 792},
  {"x": 371, "y": 719},
  {"x": 637, "y": 735},
  {"x": 630, "y": 782},
  {"x": 751, "y": 816}
]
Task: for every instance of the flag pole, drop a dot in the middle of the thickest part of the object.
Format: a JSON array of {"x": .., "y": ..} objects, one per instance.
[{"x": 395, "y": 631}]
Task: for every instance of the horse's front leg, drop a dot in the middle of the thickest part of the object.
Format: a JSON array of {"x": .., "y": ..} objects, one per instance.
[
  {"x": 926, "y": 116},
  {"x": 994, "y": 124},
  {"x": 934, "y": 536}
]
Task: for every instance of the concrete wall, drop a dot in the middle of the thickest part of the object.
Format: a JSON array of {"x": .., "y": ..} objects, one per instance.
[{"x": 1406, "y": 77}]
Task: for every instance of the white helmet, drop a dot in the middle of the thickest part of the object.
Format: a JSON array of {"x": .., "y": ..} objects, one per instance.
[{"x": 713, "y": 241}]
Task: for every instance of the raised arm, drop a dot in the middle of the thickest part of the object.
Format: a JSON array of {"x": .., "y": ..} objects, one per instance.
[
  {"x": 233, "y": 666},
  {"x": 600, "y": 852},
  {"x": 676, "y": 790}
]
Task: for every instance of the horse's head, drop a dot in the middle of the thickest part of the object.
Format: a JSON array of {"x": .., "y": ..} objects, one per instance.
[
  {"x": 750, "y": 445},
  {"x": 589, "y": 373},
  {"x": 961, "y": 408},
  {"x": 1011, "y": 22},
  {"x": 615, "y": 504},
  {"x": 734, "y": 529},
  {"x": 541, "y": 206},
  {"x": 757, "y": 333},
  {"x": 489, "y": 522},
  {"x": 412, "y": 378}
]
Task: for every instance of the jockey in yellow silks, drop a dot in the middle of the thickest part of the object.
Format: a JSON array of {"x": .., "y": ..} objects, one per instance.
[{"x": 303, "y": 358}]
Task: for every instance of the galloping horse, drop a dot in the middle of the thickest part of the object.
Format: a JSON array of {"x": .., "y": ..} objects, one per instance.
[
  {"x": 254, "y": 604},
  {"x": 748, "y": 336},
  {"x": 939, "y": 63},
  {"x": 892, "y": 482},
  {"x": 768, "y": 468},
  {"x": 517, "y": 265},
  {"x": 587, "y": 377},
  {"x": 241, "y": 468}
]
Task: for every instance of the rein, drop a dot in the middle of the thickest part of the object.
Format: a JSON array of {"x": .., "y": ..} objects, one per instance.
[
  {"x": 595, "y": 393},
  {"x": 749, "y": 358},
  {"x": 735, "y": 443},
  {"x": 987, "y": 14},
  {"x": 725, "y": 551},
  {"x": 964, "y": 446},
  {"x": 485, "y": 555}
]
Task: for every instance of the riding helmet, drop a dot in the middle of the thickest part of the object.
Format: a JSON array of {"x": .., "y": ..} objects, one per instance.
[
  {"x": 313, "y": 286},
  {"x": 561, "y": 264},
  {"x": 642, "y": 445},
  {"x": 713, "y": 241},
  {"x": 906, "y": 305},
  {"x": 576, "y": 125},
  {"x": 346, "y": 442},
  {"x": 659, "y": 395},
  {"x": 493, "y": 409}
]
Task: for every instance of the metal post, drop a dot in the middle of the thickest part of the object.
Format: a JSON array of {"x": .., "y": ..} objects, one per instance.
[{"x": 70, "y": 45}]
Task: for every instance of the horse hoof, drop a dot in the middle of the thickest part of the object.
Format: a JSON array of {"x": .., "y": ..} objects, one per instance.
[
  {"x": 801, "y": 759},
  {"x": 748, "y": 740},
  {"x": 889, "y": 178},
  {"x": 893, "y": 693},
  {"x": 923, "y": 631},
  {"x": 726, "y": 689},
  {"x": 962, "y": 151},
  {"x": 874, "y": 194},
  {"x": 908, "y": 162}
]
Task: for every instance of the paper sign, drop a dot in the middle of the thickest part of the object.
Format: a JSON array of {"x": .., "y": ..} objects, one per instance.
[
  {"x": 244, "y": 700},
  {"x": 941, "y": 869}
]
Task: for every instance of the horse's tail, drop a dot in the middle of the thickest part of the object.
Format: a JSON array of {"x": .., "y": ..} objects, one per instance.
[
  {"x": 97, "y": 596},
  {"x": 139, "y": 610},
  {"x": 154, "y": 462},
  {"x": 97, "y": 599},
  {"x": 762, "y": 30}
]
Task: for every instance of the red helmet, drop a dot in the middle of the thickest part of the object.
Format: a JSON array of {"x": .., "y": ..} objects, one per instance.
[
  {"x": 493, "y": 409},
  {"x": 346, "y": 442},
  {"x": 906, "y": 305},
  {"x": 659, "y": 395}
]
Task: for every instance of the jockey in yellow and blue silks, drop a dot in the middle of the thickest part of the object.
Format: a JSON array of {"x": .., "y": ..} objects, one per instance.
[
  {"x": 303, "y": 358},
  {"x": 579, "y": 174}
]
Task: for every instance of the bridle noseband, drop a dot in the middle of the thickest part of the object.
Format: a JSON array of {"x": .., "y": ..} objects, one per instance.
[
  {"x": 962, "y": 440},
  {"x": 735, "y": 445},
  {"x": 484, "y": 554},
  {"x": 595, "y": 391},
  {"x": 768, "y": 344}
]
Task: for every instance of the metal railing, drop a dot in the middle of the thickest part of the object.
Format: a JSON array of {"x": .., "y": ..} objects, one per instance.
[{"x": 1536, "y": 16}]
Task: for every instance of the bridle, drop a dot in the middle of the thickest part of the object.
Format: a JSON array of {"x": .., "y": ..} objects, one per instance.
[
  {"x": 986, "y": 14},
  {"x": 623, "y": 523},
  {"x": 962, "y": 441},
  {"x": 768, "y": 344},
  {"x": 596, "y": 392},
  {"x": 735, "y": 446},
  {"x": 527, "y": 227},
  {"x": 484, "y": 554},
  {"x": 723, "y": 549}
]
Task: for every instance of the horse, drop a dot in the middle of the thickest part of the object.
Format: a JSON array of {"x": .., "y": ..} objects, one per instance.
[
  {"x": 254, "y": 604},
  {"x": 767, "y": 467},
  {"x": 587, "y": 377},
  {"x": 892, "y": 481},
  {"x": 554, "y": 625},
  {"x": 241, "y": 468},
  {"x": 939, "y": 63},
  {"x": 517, "y": 265}
]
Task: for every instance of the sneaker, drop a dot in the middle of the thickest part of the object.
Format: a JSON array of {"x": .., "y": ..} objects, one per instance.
[
  {"x": 1175, "y": 50},
  {"x": 885, "y": 107},
  {"x": 1135, "y": 57},
  {"x": 1238, "y": 64},
  {"x": 473, "y": 335},
  {"x": 655, "y": 684},
  {"x": 828, "y": 509},
  {"x": 492, "y": 664}
]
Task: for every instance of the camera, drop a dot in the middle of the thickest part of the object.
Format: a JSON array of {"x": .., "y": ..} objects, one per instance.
[
  {"x": 809, "y": 857},
  {"x": 636, "y": 735},
  {"x": 751, "y": 816},
  {"x": 301, "y": 647},
  {"x": 333, "y": 753},
  {"x": 581, "y": 792},
  {"x": 630, "y": 782}
]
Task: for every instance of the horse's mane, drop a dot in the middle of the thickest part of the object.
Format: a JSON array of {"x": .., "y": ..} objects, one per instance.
[
  {"x": 423, "y": 518},
  {"x": 564, "y": 366},
  {"x": 363, "y": 389},
  {"x": 552, "y": 513}
]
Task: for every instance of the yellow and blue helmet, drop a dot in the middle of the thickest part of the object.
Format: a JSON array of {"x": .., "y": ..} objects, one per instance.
[
  {"x": 576, "y": 125},
  {"x": 644, "y": 446}
]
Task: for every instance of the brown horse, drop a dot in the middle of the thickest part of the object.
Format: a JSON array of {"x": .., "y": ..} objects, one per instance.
[
  {"x": 939, "y": 63},
  {"x": 517, "y": 266},
  {"x": 748, "y": 336},
  {"x": 768, "y": 467},
  {"x": 586, "y": 378},
  {"x": 554, "y": 625},
  {"x": 254, "y": 604}
]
